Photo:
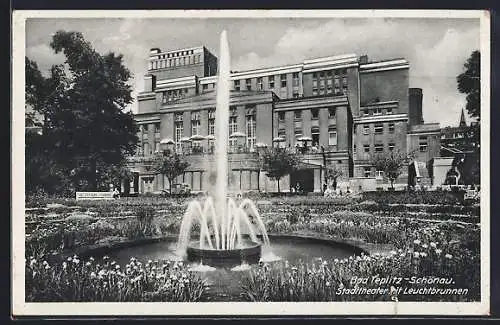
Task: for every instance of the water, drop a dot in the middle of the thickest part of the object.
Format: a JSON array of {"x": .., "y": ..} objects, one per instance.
[
  {"x": 221, "y": 137},
  {"x": 224, "y": 282}
]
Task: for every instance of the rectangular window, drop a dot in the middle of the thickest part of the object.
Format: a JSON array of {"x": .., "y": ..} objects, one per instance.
[
  {"x": 283, "y": 80},
  {"x": 315, "y": 135},
  {"x": 315, "y": 113},
  {"x": 366, "y": 112},
  {"x": 233, "y": 111},
  {"x": 329, "y": 86},
  {"x": 298, "y": 132},
  {"x": 391, "y": 146},
  {"x": 422, "y": 143},
  {"x": 282, "y": 133},
  {"x": 379, "y": 128},
  {"x": 195, "y": 115},
  {"x": 354, "y": 150},
  {"x": 332, "y": 136},
  {"x": 271, "y": 82},
  {"x": 236, "y": 85},
  {"x": 205, "y": 87},
  {"x": 164, "y": 97},
  {"x": 391, "y": 127},
  {"x": 281, "y": 116},
  {"x": 315, "y": 92},
  {"x": 368, "y": 172},
  {"x": 179, "y": 130},
  {"x": 260, "y": 86},
  {"x": 379, "y": 174},
  {"x": 297, "y": 114},
  {"x": 179, "y": 117},
  {"x": 388, "y": 110},
  {"x": 366, "y": 148},
  {"x": 249, "y": 84},
  {"x": 379, "y": 147},
  {"x": 251, "y": 130},
  {"x": 366, "y": 129},
  {"x": 233, "y": 127},
  {"x": 211, "y": 126},
  {"x": 157, "y": 128},
  {"x": 331, "y": 112},
  {"x": 377, "y": 111},
  {"x": 295, "y": 93},
  {"x": 295, "y": 78}
]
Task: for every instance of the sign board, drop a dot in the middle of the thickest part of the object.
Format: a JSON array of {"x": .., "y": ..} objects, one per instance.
[{"x": 94, "y": 196}]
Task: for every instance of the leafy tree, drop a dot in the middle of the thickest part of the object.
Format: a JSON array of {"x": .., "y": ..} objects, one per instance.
[
  {"x": 469, "y": 82},
  {"x": 278, "y": 162},
  {"x": 171, "y": 165},
  {"x": 332, "y": 173},
  {"x": 83, "y": 105},
  {"x": 391, "y": 164}
]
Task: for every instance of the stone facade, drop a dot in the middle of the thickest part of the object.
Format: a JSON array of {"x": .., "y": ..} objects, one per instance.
[{"x": 347, "y": 107}]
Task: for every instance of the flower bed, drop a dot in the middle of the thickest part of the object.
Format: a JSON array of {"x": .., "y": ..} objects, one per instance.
[
  {"x": 345, "y": 279},
  {"x": 421, "y": 248},
  {"x": 75, "y": 280}
]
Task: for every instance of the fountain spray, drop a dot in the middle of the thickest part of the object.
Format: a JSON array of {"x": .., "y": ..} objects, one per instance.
[{"x": 221, "y": 137}]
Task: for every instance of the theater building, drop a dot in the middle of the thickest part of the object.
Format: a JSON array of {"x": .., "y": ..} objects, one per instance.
[{"x": 337, "y": 110}]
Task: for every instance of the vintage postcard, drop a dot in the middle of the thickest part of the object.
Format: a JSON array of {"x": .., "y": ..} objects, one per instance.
[{"x": 251, "y": 162}]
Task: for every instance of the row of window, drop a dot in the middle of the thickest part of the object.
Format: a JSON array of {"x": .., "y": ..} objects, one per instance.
[
  {"x": 297, "y": 114},
  {"x": 251, "y": 126},
  {"x": 329, "y": 82},
  {"x": 377, "y": 147},
  {"x": 376, "y": 111},
  {"x": 270, "y": 82},
  {"x": 298, "y": 132},
  {"x": 378, "y": 128},
  {"x": 174, "y": 62},
  {"x": 173, "y": 95},
  {"x": 329, "y": 73}
]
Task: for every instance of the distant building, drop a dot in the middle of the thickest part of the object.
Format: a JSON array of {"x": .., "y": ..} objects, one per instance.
[
  {"x": 343, "y": 108},
  {"x": 457, "y": 139}
]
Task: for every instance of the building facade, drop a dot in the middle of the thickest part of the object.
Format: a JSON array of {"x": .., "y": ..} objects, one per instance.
[{"x": 334, "y": 111}]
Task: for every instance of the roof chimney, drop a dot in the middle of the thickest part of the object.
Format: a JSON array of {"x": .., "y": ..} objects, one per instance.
[{"x": 363, "y": 59}]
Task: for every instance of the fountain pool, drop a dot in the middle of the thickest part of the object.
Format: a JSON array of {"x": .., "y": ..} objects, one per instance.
[{"x": 225, "y": 281}]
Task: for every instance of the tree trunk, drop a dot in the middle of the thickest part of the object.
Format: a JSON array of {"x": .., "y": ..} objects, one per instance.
[
  {"x": 170, "y": 180},
  {"x": 392, "y": 183},
  {"x": 278, "y": 180},
  {"x": 93, "y": 175}
]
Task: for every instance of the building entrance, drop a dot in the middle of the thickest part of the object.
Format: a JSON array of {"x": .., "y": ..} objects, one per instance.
[{"x": 305, "y": 180}]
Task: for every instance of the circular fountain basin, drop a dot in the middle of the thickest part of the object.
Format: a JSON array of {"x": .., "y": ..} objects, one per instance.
[{"x": 249, "y": 252}]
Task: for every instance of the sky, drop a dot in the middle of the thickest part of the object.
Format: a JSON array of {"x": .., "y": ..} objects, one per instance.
[{"x": 436, "y": 48}]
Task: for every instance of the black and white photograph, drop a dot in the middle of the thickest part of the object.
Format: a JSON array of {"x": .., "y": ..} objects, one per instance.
[{"x": 251, "y": 162}]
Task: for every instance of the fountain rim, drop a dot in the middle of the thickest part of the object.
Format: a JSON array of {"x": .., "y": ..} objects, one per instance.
[{"x": 194, "y": 245}]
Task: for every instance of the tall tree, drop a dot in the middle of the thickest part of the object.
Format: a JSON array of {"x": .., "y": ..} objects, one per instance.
[
  {"x": 278, "y": 162},
  {"x": 87, "y": 122},
  {"x": 469, "y": 83},
  {"x": 171, "y": 165},
  {"x": 391, "y": 164},
  {"x": 332, "y": 174}
]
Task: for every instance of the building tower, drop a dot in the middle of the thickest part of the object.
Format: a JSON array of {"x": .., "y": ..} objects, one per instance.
[{"x": 462, "y": 120}]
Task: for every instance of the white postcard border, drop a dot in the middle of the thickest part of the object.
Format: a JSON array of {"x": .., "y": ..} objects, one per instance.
[{"x": 20, "y": 308}]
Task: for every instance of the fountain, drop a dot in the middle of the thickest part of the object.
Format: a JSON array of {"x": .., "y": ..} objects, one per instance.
[{"x": 227, "y": 231}]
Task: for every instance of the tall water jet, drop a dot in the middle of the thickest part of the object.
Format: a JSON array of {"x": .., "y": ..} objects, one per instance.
[
  {"x": 222, "y": 136},
  {"x": 223, "y": 225}
]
